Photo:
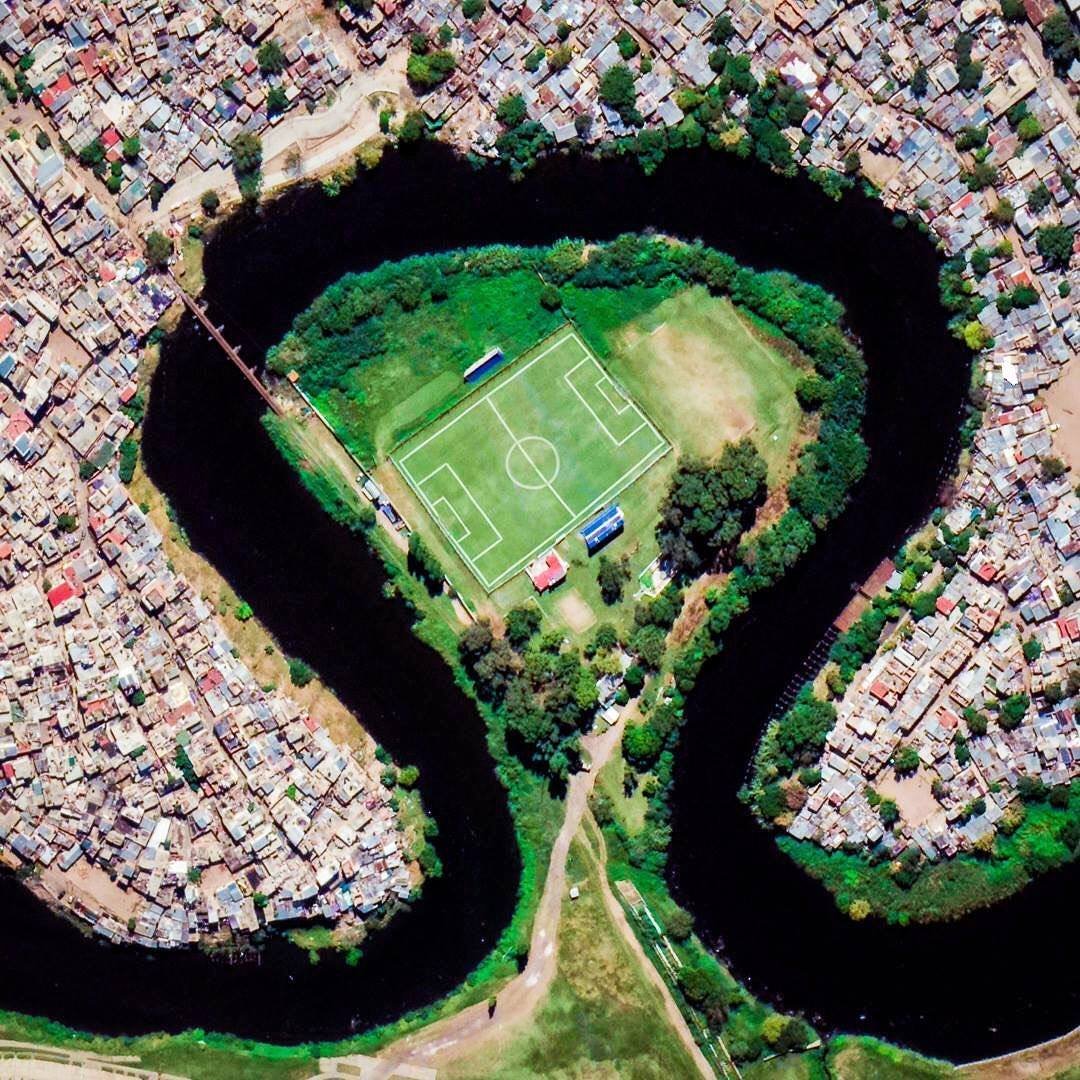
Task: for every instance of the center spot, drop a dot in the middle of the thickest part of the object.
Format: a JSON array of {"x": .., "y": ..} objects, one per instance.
[{"x": 532, "y": 463}]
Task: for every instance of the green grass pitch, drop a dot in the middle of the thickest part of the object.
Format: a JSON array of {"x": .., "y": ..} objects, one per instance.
[{"x": 517, "y": 465}]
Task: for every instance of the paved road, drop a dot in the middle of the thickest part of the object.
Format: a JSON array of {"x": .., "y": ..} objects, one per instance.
[{"x": 322, "y": 139}]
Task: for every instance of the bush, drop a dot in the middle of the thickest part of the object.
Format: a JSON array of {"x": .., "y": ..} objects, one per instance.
[
  {"x": 1055, "y": 244},
  {"x": 612, "y": 575},
  {"x": 641, "y": 746},
  {"x": 159, "y": 250},
  {"x": 271, "y": 58},
  {"x": 679, "y": 924},
  {"x": 424, "y": 564},
  {"x": 299, "y": 672},
  {"x": 550, "y": 298},
  {"x": 427, "y": 70}
]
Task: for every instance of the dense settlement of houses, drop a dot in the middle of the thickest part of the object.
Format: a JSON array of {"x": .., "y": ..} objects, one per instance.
[
  {"x": 147, "y": 777},
  {"x": 150, "y": 786}
]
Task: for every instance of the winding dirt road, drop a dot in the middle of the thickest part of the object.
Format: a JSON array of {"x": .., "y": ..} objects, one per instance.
[{"x": 472, "y": 1029}]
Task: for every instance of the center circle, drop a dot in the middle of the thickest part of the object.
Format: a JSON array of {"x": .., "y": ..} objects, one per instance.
[{"x": 532, "y": 463}]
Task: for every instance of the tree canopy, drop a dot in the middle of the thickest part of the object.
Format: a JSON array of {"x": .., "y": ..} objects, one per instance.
[{"x": 709, "y": 506}]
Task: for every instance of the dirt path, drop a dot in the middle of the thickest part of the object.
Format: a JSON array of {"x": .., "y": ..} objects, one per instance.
[
  {"x": 1040, "y": 1062},
  {"x": 472, "y": 1029},
  {"x": 618, "y": 917}
]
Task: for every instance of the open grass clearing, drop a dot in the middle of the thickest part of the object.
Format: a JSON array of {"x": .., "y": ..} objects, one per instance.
[
  {"x": 709, "y": 376},
  {"x": 602, "y": 1018}
]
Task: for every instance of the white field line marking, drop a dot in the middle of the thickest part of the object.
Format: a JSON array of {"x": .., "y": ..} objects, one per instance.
[
  {"x": 592, "y": 412},
  {"x": 520, "y": 444},
  {"x": 418, "y": 488},
  {"x": 646, "y": 461},
  {"x": 443, "y": 501},
  {"x": 570, "y": 335},
  {"x": 624, "y": 481},
  {"x": 602, "y": 385}
]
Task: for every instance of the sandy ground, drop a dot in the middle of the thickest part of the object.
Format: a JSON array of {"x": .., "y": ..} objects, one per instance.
[
  {"x": 716, "y": 399},
  {"x": 92, "y": 884},
  {"x": 1041, "y": 1062},
  {"x": 576, "y": 613},
  {"x": 879, "y": 169},
  {"x": 1063, "y": 401},
  {"x": 912, "y": 795},
  {"x": 64, "y": 347}
]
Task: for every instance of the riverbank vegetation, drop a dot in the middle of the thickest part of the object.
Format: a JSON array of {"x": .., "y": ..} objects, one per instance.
[
  {"x": 535, "y": 688},
  {"x": 601, "y": 1013},
  {"x": 1036, "y": 836},
  {"x": 1039, "y": 832}
]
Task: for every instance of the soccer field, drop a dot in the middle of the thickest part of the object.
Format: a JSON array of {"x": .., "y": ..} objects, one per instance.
[{"x": 516, "y": 466}]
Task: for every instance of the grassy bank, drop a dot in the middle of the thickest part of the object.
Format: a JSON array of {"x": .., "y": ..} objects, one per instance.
[{"x": 1039, "y": 837}]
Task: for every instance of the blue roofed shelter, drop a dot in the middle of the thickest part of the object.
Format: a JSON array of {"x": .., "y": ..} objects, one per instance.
[{"x": 602, "y": 528}]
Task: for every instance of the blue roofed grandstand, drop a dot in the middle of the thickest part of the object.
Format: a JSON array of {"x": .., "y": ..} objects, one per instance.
[{"x": 602, "y": 528}]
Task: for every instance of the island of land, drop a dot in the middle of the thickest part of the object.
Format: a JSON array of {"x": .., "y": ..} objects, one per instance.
[{"x": 715, "y": 410}]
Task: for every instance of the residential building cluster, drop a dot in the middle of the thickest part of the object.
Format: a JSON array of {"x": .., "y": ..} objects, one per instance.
[
  {"x": 979, "y": 689},
  {"x": 150, "y": 786},
  {"x": 182, "y": 78}
]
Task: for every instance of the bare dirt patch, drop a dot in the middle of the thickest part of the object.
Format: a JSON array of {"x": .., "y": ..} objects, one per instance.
[
  {"x": 717, "y": 403},
  {"x": 1041, "y": 1062},
  {"x": 577, "y": 614},
  {"x": 1063, "y": 401},
  {"x": 93, "y": 885},
  {"x": 912, "y": 795},
  {"x": 694, "y": 610}
]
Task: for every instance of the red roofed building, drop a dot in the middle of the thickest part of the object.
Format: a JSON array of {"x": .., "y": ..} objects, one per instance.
[
  {"x": 547, "y": 571},
  {"x": 944, "y": 605},
  {"x": 947, "y": 718},
  {"x": 18, "y": 424},
  {"x": 59, "y": 593}
]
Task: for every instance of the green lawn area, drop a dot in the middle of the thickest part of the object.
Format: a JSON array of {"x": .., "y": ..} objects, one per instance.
[
  {"x": 602, "y": 1016},
  {"x": 535, "y": 451},
  {"x": 426, "y": 352},
  {"x": 630, "y": 810},
  {"x": 705, "y": 353}
]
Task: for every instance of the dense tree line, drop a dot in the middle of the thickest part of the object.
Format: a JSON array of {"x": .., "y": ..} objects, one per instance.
[
  {"x": 708, "y": 507},
  {"x": 540, "y": 689}
]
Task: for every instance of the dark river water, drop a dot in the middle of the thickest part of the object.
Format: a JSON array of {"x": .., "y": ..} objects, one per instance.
[{"x": 986, "y": 984}]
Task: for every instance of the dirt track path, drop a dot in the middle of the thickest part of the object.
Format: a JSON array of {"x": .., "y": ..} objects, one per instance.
[
  {"x": 472, "y": 1028},
  {"x": 622, "y": 924}
]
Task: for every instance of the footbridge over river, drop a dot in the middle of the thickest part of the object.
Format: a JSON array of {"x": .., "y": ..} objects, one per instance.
[{"x": 232, "y": 353}]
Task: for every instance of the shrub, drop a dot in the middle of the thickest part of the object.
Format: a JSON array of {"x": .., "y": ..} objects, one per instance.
[{"x": 299, "y": 672}]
